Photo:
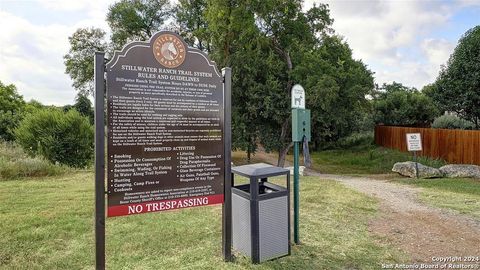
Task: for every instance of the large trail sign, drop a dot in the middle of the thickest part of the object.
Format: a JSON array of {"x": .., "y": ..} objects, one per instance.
[{"x": 165, "y": 128}]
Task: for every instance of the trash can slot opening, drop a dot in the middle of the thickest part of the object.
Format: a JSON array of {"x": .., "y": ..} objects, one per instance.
[{"x": 262, "y": 189}]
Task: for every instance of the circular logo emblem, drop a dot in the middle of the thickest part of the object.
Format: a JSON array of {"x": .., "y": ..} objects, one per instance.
[{"x": 169, "y": 50}]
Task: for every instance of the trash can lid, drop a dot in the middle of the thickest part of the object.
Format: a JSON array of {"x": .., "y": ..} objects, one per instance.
[{"x": 259, "y": 170}]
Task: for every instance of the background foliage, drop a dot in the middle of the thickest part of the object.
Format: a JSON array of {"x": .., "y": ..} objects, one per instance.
[
  {"x": 452, "y": 122},
  {"x": 66, "y": 138},
  {"x": 457, "y": 88},
  {"x": 12, "y": 106},
  {"x": 399, "y": 105}
]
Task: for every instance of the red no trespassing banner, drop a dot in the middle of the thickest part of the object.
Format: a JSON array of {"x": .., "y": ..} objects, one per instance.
[{"x": 130, "y": 209}]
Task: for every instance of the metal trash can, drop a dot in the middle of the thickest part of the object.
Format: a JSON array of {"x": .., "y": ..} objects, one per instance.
[{"x": 261, "y": 213}]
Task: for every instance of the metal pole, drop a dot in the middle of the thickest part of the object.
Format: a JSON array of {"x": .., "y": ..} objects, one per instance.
[
  {"x": 99, "y": 161},
  {"x": 295, "y": 193},
  {"x": 227, "y": 138},
  {"x": 416, "y": 163}
]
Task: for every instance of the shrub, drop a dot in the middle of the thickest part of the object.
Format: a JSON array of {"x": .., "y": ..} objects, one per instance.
[
  {"x": 15, "y": 163},
  {"x": 357, "y": 140},
  {"x": 66, "y": 138},
  {"x": 452, "y": 122}
]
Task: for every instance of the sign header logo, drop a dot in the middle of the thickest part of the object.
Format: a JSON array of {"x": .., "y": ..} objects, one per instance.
[{"x": 169, "y": 50}]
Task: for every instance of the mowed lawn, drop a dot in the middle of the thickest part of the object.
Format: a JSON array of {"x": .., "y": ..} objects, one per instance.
[
  {"x": 460, "y": 195},
  {"x": 47, "y": 223}
]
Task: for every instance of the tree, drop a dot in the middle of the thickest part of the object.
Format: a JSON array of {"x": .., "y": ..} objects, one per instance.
[
  {"x": 291, "y": 31},
  {"x": 83, "y": 105},
  {"x": 33, "y": 105},
  {"x": 287, "y": 40},
  {"x": 192, "y": 24},
  {"x": 129, "y": 20},
  {"x": 273, "y": 44},
  {"x": 457, "y": 88},
  {"x": 79, "y": 60},
  {"x": 270, "y": 45},
  {"x": 236, "y": 42},
  {"x": 11, "y": 108},
  {"x": 336, "y": 89},
  {"x": 132, "y": 20},
  {"x": 397, "y": 104}
]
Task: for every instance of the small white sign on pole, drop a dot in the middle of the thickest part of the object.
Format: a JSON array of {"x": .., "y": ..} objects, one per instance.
[
  {"x": 298, "y": 97},
  {"x": 414, "y": 142}
]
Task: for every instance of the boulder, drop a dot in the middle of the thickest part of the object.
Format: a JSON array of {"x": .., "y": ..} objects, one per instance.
[
  {"x": 408, "y": 169},
  {"x": 461, "y": 170}
]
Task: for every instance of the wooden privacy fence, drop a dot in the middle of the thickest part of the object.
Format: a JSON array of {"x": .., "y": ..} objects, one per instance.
[{"x": 454, "y": 146}]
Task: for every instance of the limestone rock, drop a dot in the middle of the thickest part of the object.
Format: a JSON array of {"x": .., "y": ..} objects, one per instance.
[
  {"x": 461, "y": 170},
  {"x": 408, "y": 169}
]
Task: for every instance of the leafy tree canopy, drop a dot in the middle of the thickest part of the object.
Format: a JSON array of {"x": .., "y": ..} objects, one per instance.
[
  {"x": 457, "y": 88},
  {"x": 79, "y": 60},
  {"x": 270, "y": 45},
  {"x": 83, "y": 105},
  {"x": 136, "y": 20},
  {"x": 191, "y": 23},
  {"x": 396, "y": 104},
  {"x": 11, "y": 109}
]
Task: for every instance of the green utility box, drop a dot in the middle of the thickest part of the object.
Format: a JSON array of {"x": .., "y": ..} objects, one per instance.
[{"x": 300, "y": 124}]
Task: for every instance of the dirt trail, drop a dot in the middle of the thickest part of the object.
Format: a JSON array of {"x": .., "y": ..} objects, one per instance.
[{"x": 420, "y": 230}]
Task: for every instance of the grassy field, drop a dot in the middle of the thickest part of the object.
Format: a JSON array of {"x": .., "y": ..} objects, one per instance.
[
  {"x": 47, "y": 223},
  {"x": 15, "y": 163},
  {"x": 461, "y": 195}
]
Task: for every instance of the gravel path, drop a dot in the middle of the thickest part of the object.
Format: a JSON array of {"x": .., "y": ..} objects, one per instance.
[{"x": 422, "y": 231}]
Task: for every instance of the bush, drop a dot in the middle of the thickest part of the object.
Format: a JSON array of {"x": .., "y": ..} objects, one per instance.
[
  {"x": 66, "y": 138},
  {"x": 452, "y": 122},
  {"x": 15, "y": 163},
  {"x": 356, "y": 140}
]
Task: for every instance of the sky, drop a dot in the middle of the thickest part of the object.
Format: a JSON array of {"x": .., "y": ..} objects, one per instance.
[{"x": 402, "y": 41}]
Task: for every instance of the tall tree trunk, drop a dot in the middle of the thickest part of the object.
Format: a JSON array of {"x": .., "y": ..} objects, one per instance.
[
  {"x": 288, "y": 60},
  {"x": 283, "y": 154}
]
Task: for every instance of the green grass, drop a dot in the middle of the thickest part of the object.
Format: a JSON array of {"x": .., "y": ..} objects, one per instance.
[
  {"x": 48, "y": 224},
  {"x": 461, "y": 195},
  {"x": 364, "y": 160},
  {"x": 15, "y": 163}
]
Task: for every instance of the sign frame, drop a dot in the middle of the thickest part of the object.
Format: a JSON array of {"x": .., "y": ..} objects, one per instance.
[{"x": 100, "y": 193}]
